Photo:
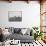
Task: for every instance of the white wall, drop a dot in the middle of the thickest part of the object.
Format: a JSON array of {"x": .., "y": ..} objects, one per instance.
[{"x": 30, "y": 14}]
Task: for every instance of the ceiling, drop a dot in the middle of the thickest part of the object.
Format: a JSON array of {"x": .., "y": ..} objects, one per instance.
[
  {"x": 24, "y": 0},
  {"x": 20, "y": 0}
]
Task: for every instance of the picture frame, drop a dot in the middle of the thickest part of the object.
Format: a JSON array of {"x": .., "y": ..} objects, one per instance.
[{"x": 14, "y": 16}]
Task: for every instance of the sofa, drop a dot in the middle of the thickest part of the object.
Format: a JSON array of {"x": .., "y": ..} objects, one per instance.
[{"x": 22, "y": 34}]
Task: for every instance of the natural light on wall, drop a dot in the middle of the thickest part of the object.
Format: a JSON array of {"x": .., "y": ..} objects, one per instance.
[{"x": 30, "y": 13}]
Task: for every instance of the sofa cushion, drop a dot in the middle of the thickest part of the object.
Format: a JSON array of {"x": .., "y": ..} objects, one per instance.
[
  {"x": 17, "y": 30},
  {"x": 23, "y": 31},
  {"x": 11, "y": 30},
  {"x": 20, "y": 37}
]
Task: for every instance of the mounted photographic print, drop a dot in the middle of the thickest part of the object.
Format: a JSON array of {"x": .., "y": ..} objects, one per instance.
[{"x": 15, "y": 16}]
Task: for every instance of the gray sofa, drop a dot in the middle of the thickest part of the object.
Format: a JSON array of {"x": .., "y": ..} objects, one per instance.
[
  {"x": 17, "y": 35},
  {"x": 22, "y": 38}
]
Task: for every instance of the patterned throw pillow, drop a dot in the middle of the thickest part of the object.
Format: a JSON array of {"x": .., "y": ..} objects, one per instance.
[
  {"x": 23, "y": 31},
  {"x": 17, "y": 30},
  {"x": 11, "y": 30}
]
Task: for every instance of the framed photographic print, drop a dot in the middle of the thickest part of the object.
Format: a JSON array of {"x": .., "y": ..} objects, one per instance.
[{"x": 14, "y": 16}]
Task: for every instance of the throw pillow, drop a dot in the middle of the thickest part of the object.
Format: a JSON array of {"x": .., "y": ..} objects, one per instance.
[
  {"x": 23, "y": 31},
  {"x": 17, "y": 30}
]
